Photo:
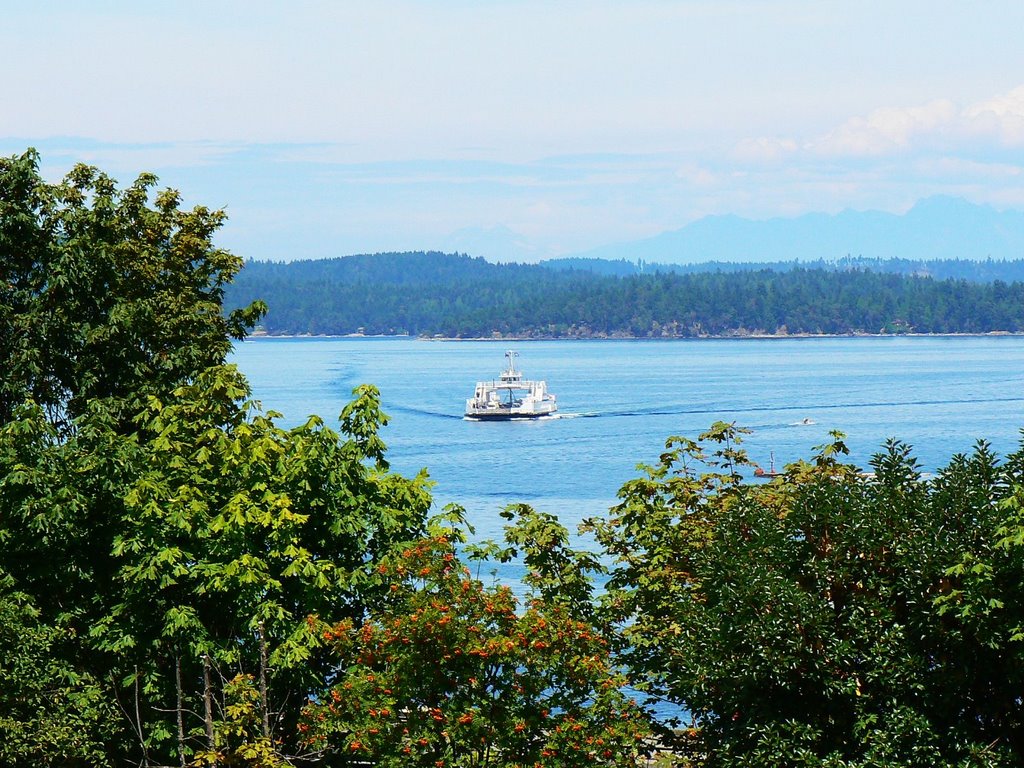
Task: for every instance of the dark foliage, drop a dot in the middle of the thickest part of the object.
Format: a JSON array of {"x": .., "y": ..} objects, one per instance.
[{"x": 458, "y": 296}]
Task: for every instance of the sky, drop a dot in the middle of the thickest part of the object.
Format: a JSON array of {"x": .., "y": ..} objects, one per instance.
[{"x": 518, "y": 129}]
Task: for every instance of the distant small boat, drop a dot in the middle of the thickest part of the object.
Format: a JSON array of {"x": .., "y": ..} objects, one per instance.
[
  {"x": 803, "y": 423},
  {"x": 759, "y": 472},
  {"x": 510, "y": 396}
]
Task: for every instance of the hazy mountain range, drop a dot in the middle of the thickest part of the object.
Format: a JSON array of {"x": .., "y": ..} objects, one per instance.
[{"x": 936, "y": 228}]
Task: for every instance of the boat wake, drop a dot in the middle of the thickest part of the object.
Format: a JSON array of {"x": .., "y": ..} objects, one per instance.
[
  {"x": 725, "y": 409},
  {"x": 420, "y": 411},
  {"x": 713, "y": 411}
]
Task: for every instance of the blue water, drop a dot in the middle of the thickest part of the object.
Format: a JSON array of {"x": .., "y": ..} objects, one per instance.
[{"x": 620, "y": 399}]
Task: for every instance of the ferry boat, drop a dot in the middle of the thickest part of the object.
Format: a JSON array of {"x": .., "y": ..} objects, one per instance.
[{"x": 510, "y": 396}]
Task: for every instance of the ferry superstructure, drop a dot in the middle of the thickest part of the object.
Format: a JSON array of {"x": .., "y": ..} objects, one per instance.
[{"x": 510, "y": 396}]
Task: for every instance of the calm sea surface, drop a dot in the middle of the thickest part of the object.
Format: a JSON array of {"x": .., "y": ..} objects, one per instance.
[{"x": 619, "y": 400}]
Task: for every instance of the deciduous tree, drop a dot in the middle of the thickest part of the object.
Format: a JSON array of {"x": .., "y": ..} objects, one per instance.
[
  {"x": 450, "y": 672},
  {"x": 809, "y": 621}
]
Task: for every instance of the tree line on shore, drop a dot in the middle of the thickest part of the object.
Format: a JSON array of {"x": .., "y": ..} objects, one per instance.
[
  {"x": 972, "y": 270},
  {"x": 183, "y": 582},
  {"x": 458, "y": 296}
]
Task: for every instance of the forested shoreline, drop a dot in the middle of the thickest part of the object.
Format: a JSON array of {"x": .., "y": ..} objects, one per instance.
[
  {"x": 433, "y": 294},
  {"x": 184, "y": 582}
]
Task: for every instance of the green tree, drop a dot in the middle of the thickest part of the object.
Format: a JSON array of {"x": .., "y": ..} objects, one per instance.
[
  {"x": 449, "y": 672},
  {"x": 194, "y": 551},
  {"x": 798, "y": 620},
  {"x": 170, "y": 539},
  {"x": 51, "y": 714},
  {"x": 106, "y": 293}
]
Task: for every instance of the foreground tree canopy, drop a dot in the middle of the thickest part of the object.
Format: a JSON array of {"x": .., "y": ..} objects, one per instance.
[
  {"x": 829, "y": 617},
  {"x": 185, "y": 582}
]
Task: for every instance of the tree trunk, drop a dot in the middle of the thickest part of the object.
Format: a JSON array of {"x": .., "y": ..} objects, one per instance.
[
  {"x": 181, "y": 714},
  {"x": 138, "y": 720},
  {"x": 265, "y": 705},
  {"x": 208, "y": 702}
]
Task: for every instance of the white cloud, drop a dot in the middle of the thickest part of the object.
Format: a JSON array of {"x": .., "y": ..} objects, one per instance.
[
  {"x": 887, "y": 130},
  {"x": 938, "y": 126},
  {"x": 1000, "y": 118},
  {"x": 764, "y": 150}
]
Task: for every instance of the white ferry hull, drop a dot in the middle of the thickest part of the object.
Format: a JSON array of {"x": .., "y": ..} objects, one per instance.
[{"x": 508, "y": 414}]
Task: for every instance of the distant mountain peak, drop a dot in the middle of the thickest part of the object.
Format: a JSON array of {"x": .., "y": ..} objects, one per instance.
[
  {"x": 947, "y": 203},
  {"x": 936, "y": 227}
]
